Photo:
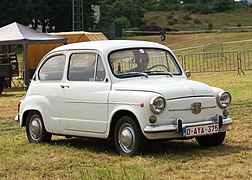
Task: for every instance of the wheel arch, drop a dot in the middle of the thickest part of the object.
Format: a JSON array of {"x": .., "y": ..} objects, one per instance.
[
  {"x": 117, "y": 116},
  {"x": 28, "y": 105},
  {"x": 25, "y": 115}
]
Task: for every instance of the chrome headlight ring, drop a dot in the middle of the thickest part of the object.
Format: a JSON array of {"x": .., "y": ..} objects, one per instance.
[
  {"x": 223, "y": 99},
  {"x": 157, "y": 104}
]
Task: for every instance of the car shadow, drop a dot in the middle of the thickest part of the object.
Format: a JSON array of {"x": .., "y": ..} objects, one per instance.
[
  {"x": 89, "y": 144},
  {"x": 177, "y": 149},
  {"x": 189, "y": 150}
]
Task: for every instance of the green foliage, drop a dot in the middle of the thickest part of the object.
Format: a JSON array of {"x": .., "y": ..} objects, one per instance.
[
  {"x": 13, "y": 10},
  {"x": 200, "y": 8},
  {"x": 193, "y": 8},
  {"x": 205, "y": 9},
  {"x": 197, "y": 21},
  {"x": 187, "y": 17},
  {"x": 56, "y": 14},
  {"x": 123, "y": 21},
  {"x": 172, "y": 21},
  {"x": 223, "y": 5},
  {"x": 111, "y": 10},
  {"x": 209, "y": 26},
  {"x": 169, "y": 16}
]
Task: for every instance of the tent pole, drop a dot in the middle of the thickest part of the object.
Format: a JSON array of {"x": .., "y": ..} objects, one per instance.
[{"x": 24, "y": 45}]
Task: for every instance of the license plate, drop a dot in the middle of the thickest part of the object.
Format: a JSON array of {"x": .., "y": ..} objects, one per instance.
[{"x": 200, "y": 130}]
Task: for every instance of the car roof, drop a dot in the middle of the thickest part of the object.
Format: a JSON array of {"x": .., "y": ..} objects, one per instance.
[{"x": 109, "y": 45}]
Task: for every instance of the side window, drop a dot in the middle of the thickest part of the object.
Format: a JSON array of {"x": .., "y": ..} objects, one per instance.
[
  {"x": 82, "y": 67},
  {"x": 52, "y": 69},
  {"x": 85, "y": 66}
]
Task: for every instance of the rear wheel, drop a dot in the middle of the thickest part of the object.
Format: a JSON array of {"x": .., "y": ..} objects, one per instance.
[
  {"x": 35, "y": 129},
  {"x": 127, "y": 136},
  {"x": 212, "y": 140}
]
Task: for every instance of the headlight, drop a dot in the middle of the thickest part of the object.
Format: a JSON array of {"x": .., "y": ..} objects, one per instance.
[
  {"x": 157, "y": 104},
  {"x": 223, "y": 99}
]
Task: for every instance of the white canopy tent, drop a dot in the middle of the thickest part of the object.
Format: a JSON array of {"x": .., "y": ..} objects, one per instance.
[{"x": 18, "y": 34}]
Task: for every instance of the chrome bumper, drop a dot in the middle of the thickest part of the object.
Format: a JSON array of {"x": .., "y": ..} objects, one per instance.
[{"x": 175, "y": 127}]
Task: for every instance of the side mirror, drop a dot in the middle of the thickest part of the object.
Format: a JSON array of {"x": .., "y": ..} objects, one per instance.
[{"x": 188, "y": 73}]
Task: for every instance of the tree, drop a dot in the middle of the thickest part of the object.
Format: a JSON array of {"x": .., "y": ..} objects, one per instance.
[
  {"x": 41, "y": 10},
  {"x": 223, "y": 5},
  {"x": 13, "y": 10},
  {"x": 55, "y": 14},
  {"x": 121, "y": 9}
]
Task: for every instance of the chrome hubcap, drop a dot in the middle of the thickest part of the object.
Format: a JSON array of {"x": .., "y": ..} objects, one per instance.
[
  {"x": 126, "y": 138},
  {"x": 35, "y": 127}
]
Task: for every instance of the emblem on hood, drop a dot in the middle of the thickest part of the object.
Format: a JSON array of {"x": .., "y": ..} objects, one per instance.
[{"x": 196, "y": 108}]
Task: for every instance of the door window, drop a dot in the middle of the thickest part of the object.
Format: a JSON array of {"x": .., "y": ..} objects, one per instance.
[{"x": 85, "y": 67}]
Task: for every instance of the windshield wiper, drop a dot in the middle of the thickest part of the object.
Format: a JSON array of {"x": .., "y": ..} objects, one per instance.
[
  {"x": 158, "y": 72},
  {"x": 132, "y": 74}
]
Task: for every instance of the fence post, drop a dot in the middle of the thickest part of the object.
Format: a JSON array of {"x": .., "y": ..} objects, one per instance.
[{"x": 239, "y": 63}]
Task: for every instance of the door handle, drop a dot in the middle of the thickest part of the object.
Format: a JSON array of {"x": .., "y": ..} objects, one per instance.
[{"x": 64, "y": 86}]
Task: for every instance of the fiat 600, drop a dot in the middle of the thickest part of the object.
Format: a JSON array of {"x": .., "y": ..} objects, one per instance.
[{"x": 131, "y": 91}]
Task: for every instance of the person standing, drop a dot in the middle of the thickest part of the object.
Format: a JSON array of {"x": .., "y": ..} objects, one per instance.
[{"x": 162, "y": 34}]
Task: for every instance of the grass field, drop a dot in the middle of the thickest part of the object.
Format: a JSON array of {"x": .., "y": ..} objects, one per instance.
[
  {"x": 238, "y": 17},
  {"x": 194, "y": 43},
  {"x": 81, "y": 158},
  {"x": 97, "y": 159}
]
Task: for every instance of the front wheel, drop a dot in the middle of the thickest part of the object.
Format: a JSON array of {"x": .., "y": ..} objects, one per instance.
[
  {"x": 212, "y": 140},
  {"x": 35, "y": 129},
  {"x": 127, "y": 136}
]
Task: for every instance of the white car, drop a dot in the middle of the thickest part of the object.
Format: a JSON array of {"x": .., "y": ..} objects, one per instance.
[{"x": 133, "y": 91}]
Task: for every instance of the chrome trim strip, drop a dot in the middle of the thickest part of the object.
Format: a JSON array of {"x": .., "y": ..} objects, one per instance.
[
  {"x": 173, "y": 127},
  {"x": 185, "y": 97},
  {"x": 122, "y": 103},
  {"x": 190, "y": 108},
  {"x": 79, "y": 101},
  {"x": 98, "y": 102}
]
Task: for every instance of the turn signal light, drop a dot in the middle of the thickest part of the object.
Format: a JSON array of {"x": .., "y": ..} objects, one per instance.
[{"x": 19, "y": 103}]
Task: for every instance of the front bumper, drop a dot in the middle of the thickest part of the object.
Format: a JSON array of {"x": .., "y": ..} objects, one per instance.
[{"x": 178, "y": 126}]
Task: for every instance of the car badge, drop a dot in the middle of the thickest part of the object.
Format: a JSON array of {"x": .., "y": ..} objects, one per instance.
[{"x": 196, "y": 108}]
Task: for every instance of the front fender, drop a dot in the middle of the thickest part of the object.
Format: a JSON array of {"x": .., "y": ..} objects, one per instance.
[
  {"x": 217, "y": 91},
  {"x": 136, "y": 102}
]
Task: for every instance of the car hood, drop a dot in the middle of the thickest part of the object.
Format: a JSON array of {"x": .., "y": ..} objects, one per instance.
[{"x": 168, "y": 87}]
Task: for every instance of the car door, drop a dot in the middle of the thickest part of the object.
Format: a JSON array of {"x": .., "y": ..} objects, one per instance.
[
  {"x": 85, "y": 94},
  {"x": 47, "y": 91}
]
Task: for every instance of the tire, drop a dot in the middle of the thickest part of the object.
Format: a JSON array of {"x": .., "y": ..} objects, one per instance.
[
  {"x": 1, "y": 86},
  {"x": 127, "y": 137},
  {"x": 212, "y": 140},
  {"x": 35, "y": 129}
]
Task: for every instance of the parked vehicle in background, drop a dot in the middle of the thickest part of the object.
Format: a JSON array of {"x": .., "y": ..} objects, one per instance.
[
  {"x": 8, "y": 69},
  {"x": 132, "y": 91}
]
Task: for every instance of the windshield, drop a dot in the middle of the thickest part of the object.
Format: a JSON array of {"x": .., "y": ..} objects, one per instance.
[{"x": 142, "y": 62}]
